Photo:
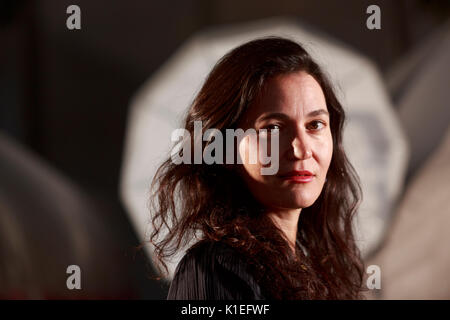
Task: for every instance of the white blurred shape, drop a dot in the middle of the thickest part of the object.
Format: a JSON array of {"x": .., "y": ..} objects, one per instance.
[{"x": 414, "y": 258}]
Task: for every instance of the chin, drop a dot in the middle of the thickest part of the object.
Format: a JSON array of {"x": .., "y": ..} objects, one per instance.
[
  {"x": 301, "y": 202},
  {"x": 293, "y": 202}
]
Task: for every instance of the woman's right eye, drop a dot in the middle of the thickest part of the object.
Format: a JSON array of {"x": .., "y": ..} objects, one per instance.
[{"x": 272, "y": 127}]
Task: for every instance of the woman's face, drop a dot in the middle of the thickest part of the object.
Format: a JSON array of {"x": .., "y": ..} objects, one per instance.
[{"x": 294, "y": 105}]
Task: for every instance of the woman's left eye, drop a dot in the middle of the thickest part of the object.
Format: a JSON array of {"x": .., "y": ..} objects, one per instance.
[{"x": 316, "y": 125}]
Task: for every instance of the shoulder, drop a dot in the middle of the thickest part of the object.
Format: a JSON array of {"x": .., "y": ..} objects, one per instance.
[{"x": 213, "y": 270}]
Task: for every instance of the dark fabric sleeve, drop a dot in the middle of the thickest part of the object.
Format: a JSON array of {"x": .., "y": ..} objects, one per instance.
[{"x": 213, "y": 272}]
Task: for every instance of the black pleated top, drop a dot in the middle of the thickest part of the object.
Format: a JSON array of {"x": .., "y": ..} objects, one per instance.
[{"x": 213, "y": 271}]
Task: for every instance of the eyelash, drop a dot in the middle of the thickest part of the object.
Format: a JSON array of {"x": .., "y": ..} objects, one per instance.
[{"x": 270, "y": 126}]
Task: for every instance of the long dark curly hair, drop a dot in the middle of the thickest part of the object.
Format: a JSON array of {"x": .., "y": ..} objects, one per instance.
[{"x": 212, "y": 203}]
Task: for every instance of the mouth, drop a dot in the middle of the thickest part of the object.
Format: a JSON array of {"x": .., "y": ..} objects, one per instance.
[{"x": 295, "y": 176}]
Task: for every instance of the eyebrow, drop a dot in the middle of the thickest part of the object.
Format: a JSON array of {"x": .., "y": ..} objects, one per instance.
[
  {"x": 279, "y": 115},
  {"x": 318, "y": 112}
]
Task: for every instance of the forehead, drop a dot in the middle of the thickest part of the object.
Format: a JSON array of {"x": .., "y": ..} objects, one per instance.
[{"x": 295, "y": 94}]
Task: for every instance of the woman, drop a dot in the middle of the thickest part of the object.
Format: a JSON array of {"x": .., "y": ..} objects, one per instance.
[{"x": 286, "y": 235}]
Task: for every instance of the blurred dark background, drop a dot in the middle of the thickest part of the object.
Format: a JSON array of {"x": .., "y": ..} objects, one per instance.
[{"x": 64, "y": 94}]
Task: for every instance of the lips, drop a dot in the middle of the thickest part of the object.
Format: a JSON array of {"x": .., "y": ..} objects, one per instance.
[{"x": 296, "y": 176}]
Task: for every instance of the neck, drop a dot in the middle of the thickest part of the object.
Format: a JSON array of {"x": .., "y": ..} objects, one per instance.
[{"x": 287, "y": 221}]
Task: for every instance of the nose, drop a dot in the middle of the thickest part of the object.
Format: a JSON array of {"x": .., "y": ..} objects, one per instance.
[{"x": 301, "y": 146}]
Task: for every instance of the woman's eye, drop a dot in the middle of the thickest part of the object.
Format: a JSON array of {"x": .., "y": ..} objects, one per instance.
[
  {"x": 273, "y": 127},
  {"x": 269, "y": 129},
  {"x": 316, "y": 125}
]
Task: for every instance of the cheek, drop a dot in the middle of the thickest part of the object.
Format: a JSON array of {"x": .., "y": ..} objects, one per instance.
[
  {"x": 324, "y": 152},
  {"x": 248, "y": 149},
  {"x": 252, "y": 151}
]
